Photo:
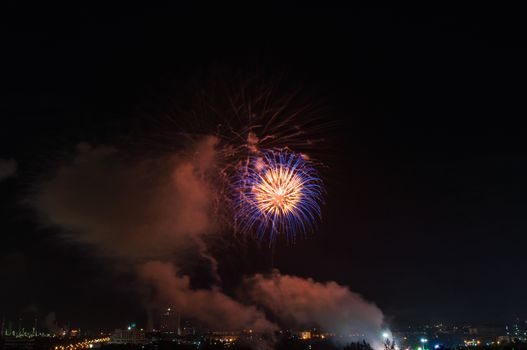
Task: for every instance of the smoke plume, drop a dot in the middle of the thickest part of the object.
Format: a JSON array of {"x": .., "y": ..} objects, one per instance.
[
  {"x": 211, "y": 306},
  {"x": 303, "y": 302},
  {"x": 130, "y": 208}
]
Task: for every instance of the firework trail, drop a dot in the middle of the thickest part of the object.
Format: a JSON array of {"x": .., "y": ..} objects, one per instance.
[{"x": 279, "y": 193}]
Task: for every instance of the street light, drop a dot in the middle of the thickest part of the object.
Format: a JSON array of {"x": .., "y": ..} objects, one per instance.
[{"x": 423, "y": 341}]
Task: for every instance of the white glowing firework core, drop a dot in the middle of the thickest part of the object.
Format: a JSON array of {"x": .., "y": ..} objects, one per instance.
[{"x": 278, "y": 192}]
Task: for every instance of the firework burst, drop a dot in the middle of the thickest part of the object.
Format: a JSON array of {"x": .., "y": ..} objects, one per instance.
[
  {"x": 262, "y": 129},
  {"x": 279, "y": 193}
]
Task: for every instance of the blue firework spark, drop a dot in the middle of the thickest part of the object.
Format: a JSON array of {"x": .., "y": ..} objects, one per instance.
[{"x": 279, "y": 193}]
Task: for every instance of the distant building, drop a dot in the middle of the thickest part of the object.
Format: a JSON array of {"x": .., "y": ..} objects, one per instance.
[
  {"x": 170, "y": 322},
  {"x": 25, "y": 343},
  {"x": 18, "y": 343},
  {"x": 224, "y": 338},
  {"x": 188, "y": 329},
  {"x": 487, "y": 332},
  {"x": 518, "y": 330},
  {"x": 128, "y": 336},
  {"x": 304, "y": 335}
]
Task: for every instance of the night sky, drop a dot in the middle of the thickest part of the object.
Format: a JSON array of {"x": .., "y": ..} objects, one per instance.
[{"x": 425, "y": 157}]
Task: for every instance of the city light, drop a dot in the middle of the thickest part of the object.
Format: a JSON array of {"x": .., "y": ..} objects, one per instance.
[{"x": 86, "y": 344}]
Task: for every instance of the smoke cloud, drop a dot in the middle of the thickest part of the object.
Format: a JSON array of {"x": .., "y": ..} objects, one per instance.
[
  {"x": 7, "y": 168},
  {"x": 210, "y": 306},
  {"x": 130, "y": 208},
  {"x": 142, "y": 211},
  {"x": 303, "y": 302}
]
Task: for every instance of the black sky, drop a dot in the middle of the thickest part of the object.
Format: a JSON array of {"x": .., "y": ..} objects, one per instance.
[{"x": 426, "y": 169}]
